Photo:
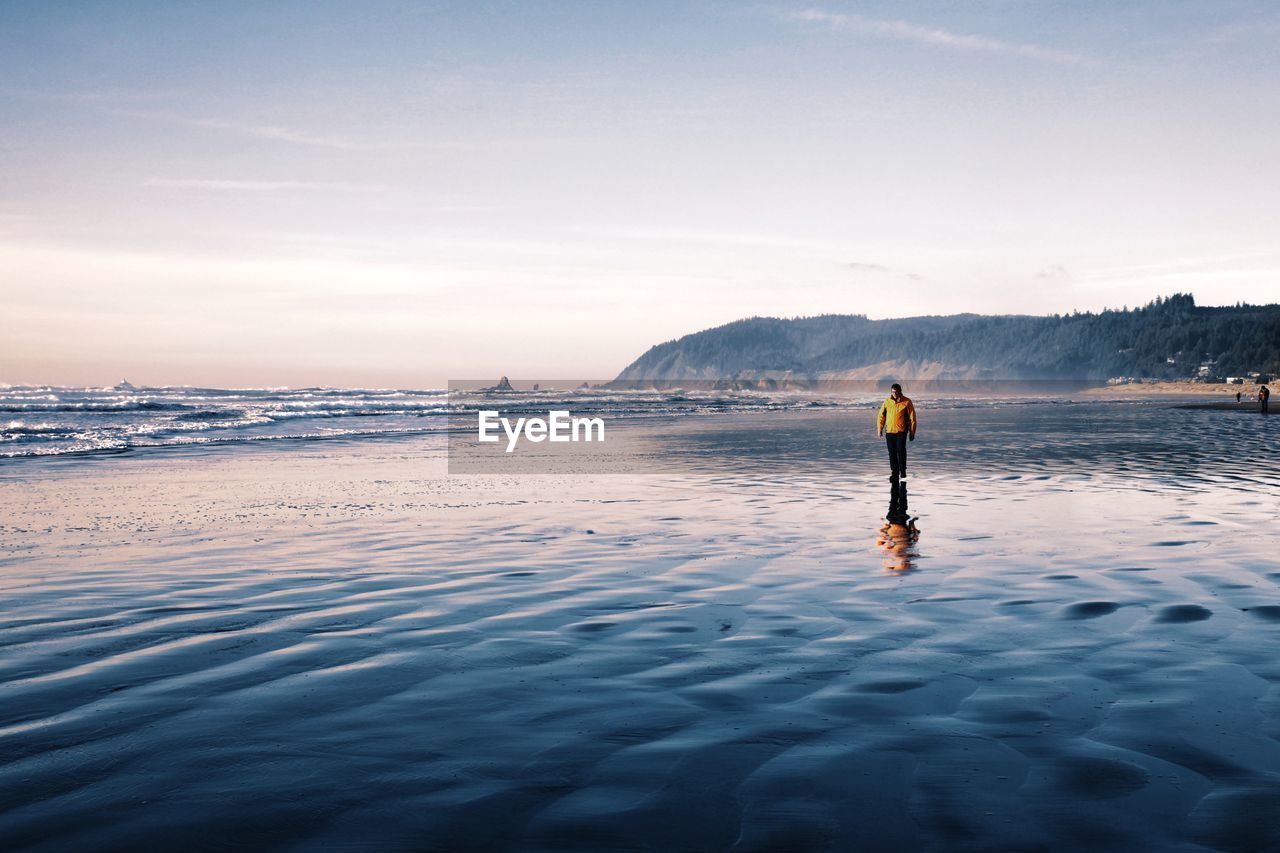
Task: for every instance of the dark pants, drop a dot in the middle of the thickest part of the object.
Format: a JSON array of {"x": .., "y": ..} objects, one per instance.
[
  {"x": 1265, "y": 400},
  {"x": 897, "y": 442}
]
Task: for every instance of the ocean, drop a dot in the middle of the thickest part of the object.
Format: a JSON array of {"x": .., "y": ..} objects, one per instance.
[{"x": 52, "y": 421}]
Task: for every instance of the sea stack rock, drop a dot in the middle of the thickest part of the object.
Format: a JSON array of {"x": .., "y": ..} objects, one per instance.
[{"x": 504, "y": 384}]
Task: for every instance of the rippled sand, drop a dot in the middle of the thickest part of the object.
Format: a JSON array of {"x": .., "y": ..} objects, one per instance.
[{"x": 340, "y": 647}]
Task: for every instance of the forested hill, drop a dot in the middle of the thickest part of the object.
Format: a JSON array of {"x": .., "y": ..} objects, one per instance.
[{"x": 1170, "y": 338}]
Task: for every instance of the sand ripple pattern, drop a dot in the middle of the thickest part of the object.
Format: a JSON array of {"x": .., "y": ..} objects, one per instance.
[{"x": 347, "y": 650}]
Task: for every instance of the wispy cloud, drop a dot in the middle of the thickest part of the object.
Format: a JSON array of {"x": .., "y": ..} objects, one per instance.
[
  {"x": 696, "y": 237},
  {"x": 296, "y": 136},
  {"x": 906, "y": 31},
  {"x": 121, "y": 104},
  {"x": 300, "y": 137},
  {"x": 114, "y": 103},
  {"x": 280, "y": 133},
  {"x": 880, "y": 269},
  {"x": 225, "y": 185},
  {"x": 1054, "y": 272},
  {"x": 276, "y": 133},
  {"x": 92, "y": 97}
]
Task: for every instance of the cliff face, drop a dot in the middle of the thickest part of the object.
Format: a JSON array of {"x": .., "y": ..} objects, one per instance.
[
  {"x": 1169, "y": 338},
  {"x": 768, "y": 347}
]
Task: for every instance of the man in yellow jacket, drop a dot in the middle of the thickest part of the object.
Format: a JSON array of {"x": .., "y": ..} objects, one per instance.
[{"x": 897, "y": 423}]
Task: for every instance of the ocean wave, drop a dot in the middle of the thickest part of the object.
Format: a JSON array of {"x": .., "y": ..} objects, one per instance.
[
  {"x": 91, "y": 406},
  {"x": 214, "y": 414},
  {"x": 14, "y": 428},
  {"x": 90, "y": 447}
]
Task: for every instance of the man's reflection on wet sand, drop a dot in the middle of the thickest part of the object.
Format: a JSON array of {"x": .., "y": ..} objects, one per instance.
[{"x": 897, "y": 538}]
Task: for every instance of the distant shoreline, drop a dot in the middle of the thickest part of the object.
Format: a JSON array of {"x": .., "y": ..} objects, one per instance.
[
  {"x": 1138, "y": 390},
  {"x": 1247, "y": 407}
]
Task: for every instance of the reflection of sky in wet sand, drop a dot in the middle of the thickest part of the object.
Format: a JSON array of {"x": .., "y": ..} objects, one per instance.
[
  {"x": 339, "y": 644},
  {"x": 1175, "y": 448},
  {"x": 898, "y": 535}
]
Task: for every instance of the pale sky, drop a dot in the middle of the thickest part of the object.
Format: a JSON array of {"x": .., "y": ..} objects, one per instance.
[{"x": 400, "y": 193}]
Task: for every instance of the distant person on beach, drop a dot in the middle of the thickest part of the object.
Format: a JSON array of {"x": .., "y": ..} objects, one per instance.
[
  {"x": 1264, "y": 394},
  {"x": 897, "y": 423},
  {"x": 1237, "y": 398}
]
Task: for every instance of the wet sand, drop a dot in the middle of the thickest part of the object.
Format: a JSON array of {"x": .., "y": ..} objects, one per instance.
[
  {"x": 1250, "y": 407},
  {"x": 340, "y": 647}
]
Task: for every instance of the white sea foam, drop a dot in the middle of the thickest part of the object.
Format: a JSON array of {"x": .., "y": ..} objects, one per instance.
[{"x": 87, "y": 420}]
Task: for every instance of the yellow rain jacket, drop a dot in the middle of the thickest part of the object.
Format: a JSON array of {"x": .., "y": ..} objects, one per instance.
[{"x": 897, "y": 416}]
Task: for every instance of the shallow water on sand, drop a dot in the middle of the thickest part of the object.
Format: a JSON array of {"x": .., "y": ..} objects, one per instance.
[{"x": 342, "y": 647}]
